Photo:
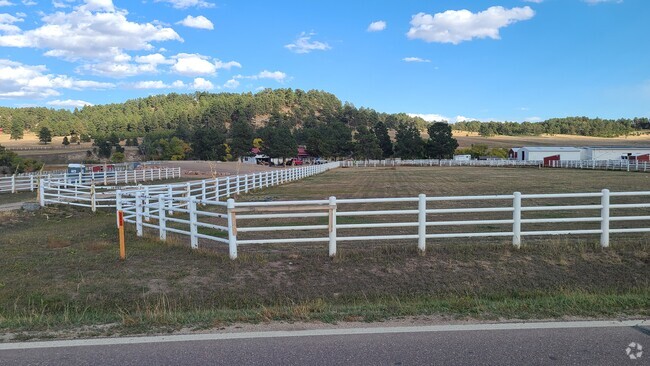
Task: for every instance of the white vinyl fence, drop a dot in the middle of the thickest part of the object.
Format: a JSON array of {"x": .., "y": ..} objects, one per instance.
[
  {"x": 419, "y": 218},
  {"x": 438, "y": 162},
  {"x": 18, "y": 183},
  {"x": 622, "y": 165},
  {"x": 89, "y": 195}
]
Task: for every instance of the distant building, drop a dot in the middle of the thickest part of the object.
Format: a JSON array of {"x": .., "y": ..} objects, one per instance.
[
  {"x": 513, "y": 154},
  {"x": 613, "y": 152},
  {"x": 548, "y": 153}
]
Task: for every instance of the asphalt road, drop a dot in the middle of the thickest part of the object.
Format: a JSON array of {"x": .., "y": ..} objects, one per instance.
[{"x": 592, "y": 343}]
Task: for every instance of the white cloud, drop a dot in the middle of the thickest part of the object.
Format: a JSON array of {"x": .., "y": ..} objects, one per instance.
[
  {"x": 184, "y": 4},
  {"x": 151, "y": 84},
  {"x": 456, "y": 26},
  {"x": 94, "y": 31},
  {"x": 430, "y": 117},
  {"x": 304, "y": 44},
  {"x": 201, "y": 84},
  {"x": 199, "y": 22},
  {"x": 59, "y": 5},
  {"x": 153, "y": 59},
  {"x": 70, "y": 103},
  {"x": 377, "y": 26},
  {"x": 6, "y": 24},
  {"x": 533, "y": 119},
  {"x": 534, "y": 1},
  {"x": 226, "y": 65},
  {"x": 29, "y": 2},
  {"x": 6, "y": 3},
  {"x": 18, "y": 80},
  {"x": 464, "y": 119},
  {"x": 231, "y": 84},
  {"x": 415, "y": 59},
  {"x": 193, "y": 65},
  {"x": 278, "y": 76}
]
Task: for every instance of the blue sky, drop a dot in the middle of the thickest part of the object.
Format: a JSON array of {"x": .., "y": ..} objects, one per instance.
[{"x": 498, "y": 60}]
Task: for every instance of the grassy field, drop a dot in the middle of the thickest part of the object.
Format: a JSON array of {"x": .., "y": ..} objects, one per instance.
[{"x": 61, "y": 275}]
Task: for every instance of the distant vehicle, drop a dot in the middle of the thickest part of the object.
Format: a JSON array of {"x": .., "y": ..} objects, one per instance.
[
  {"x": 294, "y": 161},
  {"x": 320, "y": 161}
]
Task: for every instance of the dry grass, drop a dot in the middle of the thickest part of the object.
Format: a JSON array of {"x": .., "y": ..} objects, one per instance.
[
  {"x": 466, "y": 139},
  {"x": 48, "y": 284}
]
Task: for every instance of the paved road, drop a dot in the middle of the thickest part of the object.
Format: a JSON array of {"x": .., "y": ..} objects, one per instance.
[{"x": 577, "y": 343}]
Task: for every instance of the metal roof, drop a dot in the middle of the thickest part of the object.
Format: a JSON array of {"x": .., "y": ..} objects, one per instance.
[{"x": 551, "y": 148}]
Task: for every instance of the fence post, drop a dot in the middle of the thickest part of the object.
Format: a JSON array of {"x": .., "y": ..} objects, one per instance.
[
  {"x": 162, "y": 218},
  {"x": 31, "y": 183},
  {"x": 170, "y": 193},
  {"x": 246, "y": 183},
  {"x": 138, "y": 213},
  {"x": 216, "y": 189},
  {"x": 516, "y": 220},
  {"x": 422, "y": 223},
  {"x": 93, "y": 203},
  {"x": 146, "y": 204},
  {"x": 228, "y": 186},
  {"x": 194, "y": 240},
  {"x": 41, "y": 192},
  {"x": 203, "y": 191},
  {"x": 118, "y": 203},
  {"x": 332, "y": 226},
  {"x": 13, "y": 183},
  {"x": 604, "y": 214},
  {"x": 232, "y": 229}
]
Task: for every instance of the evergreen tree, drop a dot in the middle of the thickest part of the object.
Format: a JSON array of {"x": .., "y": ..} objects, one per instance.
[
  {"x": 409, "y": 144},
  {"x": 366, "y": 144},
  {"x": 66, "y": 142},
  {"x": 17, "y": 130},
  {"x": 45, "y": 135},
  {"x": 386, "y": 145},
  {"x": 441, "y": 143},
  {"x": 241, "y": 138},
  {"x": 278, "y": 142},
  {"x": 209, "y": 144}
]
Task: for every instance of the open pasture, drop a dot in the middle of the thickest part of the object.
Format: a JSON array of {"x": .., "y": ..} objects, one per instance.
[{"x": 61, "y": 272}]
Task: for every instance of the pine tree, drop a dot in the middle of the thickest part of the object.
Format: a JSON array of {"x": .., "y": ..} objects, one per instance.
[{"x": 45, "y": 135}]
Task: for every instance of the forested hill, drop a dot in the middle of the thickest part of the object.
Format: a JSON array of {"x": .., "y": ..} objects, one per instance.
[
  {"x": 137, "y": 117},
  {"x": 581, "y": 126},
  {"x": 292, "y": 108}
]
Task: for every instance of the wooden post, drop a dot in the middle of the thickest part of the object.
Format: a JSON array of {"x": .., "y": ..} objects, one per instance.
[
  {"x": 604, "y": 223},
  {"x": 232, "y": 229},
  {"x": 516, "y": 217},
  {"x": 120, "y": 223},
  {"x": 332, "y": 226},
  {"x": 422, "y": 223}
]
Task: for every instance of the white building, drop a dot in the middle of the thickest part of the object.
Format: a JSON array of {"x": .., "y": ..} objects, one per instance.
[
  {"x": 546, "y": 153},
  {"x": 613, "y": 152},
  {"x": 462, "y": 157}
]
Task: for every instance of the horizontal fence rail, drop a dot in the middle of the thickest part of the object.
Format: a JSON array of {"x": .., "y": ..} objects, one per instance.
[
  {"x": 622, "y": 165},
  {"x": 30, "y": 182},
  {"x": 420, "y": 219},
  {"x": 89, "y": 195},
  {"x": 438, "y": 162}
]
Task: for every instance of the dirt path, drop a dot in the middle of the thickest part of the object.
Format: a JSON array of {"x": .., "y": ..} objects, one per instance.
[{"x": 11, "y": 206}]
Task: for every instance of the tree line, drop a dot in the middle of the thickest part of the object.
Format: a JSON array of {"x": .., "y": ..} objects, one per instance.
[{"x": 581, "y": 126}]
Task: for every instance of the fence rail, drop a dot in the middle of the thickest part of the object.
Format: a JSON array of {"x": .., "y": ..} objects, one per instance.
[
  {"x": 439, "y": 162},
  {"x": 89, "y": 195},
  {"x": 17, "y": 183},
  {"x": 419, "y": 218},
  {"x": 622, "y": 165}
]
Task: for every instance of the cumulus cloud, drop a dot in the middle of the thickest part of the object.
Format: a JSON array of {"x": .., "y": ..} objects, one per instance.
[
  {"x": 533, "y": 119},
  {"x": 377, "y": 26},
  {"x": 193, "y": 65},
  {"x": 304, "y": 44},
  {"x": 199, "y": 22},
  {"x": 6, "y": 3},
  {"x": 431, "y": 117},
  {"x": 226, "y": 65},
  {"x": 18, "y": 80},
  {"x": 6, "y": 24},
  {"x": 534, "y": 1},
  {"x": 278, "y": 76},
  {"x": 231, "y": 84},
  {"x": 69, "y": 103},
  {"x": 150, "y": 84},
  {"x": 184, "y": 4},
  {"x": 95, "y": 30},
  {"x": 456, "y": 26},
  {"x": 415, "y": 59},
  {"x": 29, "y": 2},
  {"x": 201, "y": 84}
]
